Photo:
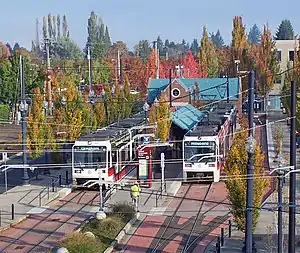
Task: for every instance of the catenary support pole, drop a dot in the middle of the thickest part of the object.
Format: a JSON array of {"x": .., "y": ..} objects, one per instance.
[
  {"x": 227, "y": 88},
  {"x": 250, "y": 169},
  {"x": 170, "y": 86},
  {"x": 280, "y": 174},
  {"x": 25, "y": 178},
  {"x": 292, "y": 217}
]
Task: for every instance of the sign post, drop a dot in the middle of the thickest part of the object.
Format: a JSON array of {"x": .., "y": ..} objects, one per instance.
[{"x": 162, "y": 164}]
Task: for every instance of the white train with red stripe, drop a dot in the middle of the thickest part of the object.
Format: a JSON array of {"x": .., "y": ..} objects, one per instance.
[
  {"x": 206, "y": 145},
  {"x": 108, "y": 152}
]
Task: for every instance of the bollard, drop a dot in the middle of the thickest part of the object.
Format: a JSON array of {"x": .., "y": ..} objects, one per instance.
[
  {"x": 12, "y": 211},
  {"x": 67, "y": 177},
  {"x": 52, "y": 183},
  {"x": 48, "y": 192},
  {"x": 229, "y": 229},
  {"x": 0, "y": 218},
  {"x": 59, "y": 180},
  {"x": 40, "y": 199},
  {"x": 222, "y": 236}
]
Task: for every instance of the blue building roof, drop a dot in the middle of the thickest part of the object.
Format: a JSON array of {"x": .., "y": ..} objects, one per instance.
[
  {"x": 186, "y": 117},
  {"x": 210, "y": 88}
]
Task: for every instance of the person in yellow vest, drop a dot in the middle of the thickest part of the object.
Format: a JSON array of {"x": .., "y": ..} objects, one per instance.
[{"x": 135, "y": 194}]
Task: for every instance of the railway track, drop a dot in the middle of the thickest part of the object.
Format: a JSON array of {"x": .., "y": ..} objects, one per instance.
[
  {"x": 192, "y": 231},
  {"x": 46, "y": 229}
]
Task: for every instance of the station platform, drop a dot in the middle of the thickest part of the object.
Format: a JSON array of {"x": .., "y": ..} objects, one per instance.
[{"x": 66, "y": 211}]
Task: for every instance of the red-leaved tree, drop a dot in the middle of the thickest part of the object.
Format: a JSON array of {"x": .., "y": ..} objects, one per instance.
[{"x": 190, "y": 66}]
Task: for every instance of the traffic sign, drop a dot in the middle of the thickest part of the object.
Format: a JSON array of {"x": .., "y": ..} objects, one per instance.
[
  {"x": 146, "y": 139},
  {"x": 162, "y": 160}
]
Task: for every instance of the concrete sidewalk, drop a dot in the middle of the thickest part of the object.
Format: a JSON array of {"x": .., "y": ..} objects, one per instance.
[
  {"x": 265, "y": 235},
  {"x": 32, "y": 198}
]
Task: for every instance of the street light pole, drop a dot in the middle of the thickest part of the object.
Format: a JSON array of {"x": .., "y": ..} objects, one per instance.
[
  {"x": 250, "y": 146},
  {"x": 23, "y": 108},
  {"x": 280, "y": 175},
  {"x": 292, "y": 204},
  {"x": 90, "y": 67}
]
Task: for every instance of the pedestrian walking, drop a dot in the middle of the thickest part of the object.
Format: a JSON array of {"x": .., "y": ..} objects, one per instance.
[{"x": 135, "y": 194}]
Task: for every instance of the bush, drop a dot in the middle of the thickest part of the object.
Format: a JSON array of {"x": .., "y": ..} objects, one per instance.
[
  {"x": 79, "y": 243},
  {"x": 105, "y": 230},
  {"x": 4, "y": 113},
  {"x": 124, "y": 210},
  {"x": 111, "y": 224}
]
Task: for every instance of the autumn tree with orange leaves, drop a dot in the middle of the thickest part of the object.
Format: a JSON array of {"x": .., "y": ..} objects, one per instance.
[
  {"x": 239, "y": 38},
  {"x": 36, "y": 128},
  {"x": 208, "y": 60},
  {"x": 135, "y": 70},
  {"x": 190, "y": 66},
  {"x": 152, "y": 67},
  {"x": 236, "y": 171},
  {"x": 266, "y": 64}
]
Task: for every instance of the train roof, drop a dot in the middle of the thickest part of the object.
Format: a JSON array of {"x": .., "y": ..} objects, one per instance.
[
  {"x": 116, "y": 130},
  {"x": 215, "y": 118}
]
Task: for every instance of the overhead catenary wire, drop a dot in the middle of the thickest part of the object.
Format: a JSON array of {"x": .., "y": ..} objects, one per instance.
[{"x": 153, "y": 142}]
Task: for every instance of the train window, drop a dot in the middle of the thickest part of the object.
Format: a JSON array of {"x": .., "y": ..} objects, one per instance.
[{"x": 114, "y": 157}]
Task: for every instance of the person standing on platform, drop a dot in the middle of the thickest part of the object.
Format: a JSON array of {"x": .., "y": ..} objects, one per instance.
[{"x": 135, "y": 194}]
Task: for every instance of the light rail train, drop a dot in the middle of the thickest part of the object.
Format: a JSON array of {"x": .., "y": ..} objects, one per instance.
[
  {"x": 206, "y": 145},
  {"x": 107, "y": 153}
]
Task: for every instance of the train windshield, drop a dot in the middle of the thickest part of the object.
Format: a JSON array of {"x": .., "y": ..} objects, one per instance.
[
  {"x": 86, "y": 156},
  {"x": 200, "y": 151}
]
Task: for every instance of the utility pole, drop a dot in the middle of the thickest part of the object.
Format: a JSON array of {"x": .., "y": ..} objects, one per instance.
[
  {"x": 250, "y": 167},
  {"x": 47, "y": 42},
  {"x": 89, "y": 58},
  {"x": 119, "y": 65},
  {"x": 227, "y": 86},
  {"x": 292, "y": 204},
  {"x": 156, "y": 59},
  {"x": 170, "y": 86},
  {"x": 23, "y": 109}
]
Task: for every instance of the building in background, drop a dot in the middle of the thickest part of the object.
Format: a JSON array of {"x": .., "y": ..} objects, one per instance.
[{"x": 285, "y": 56}]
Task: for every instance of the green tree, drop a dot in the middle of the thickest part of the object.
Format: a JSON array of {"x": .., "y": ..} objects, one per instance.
[
  {"x": 285, "y": 31},
  {"x": 109, "y": 104},
  {"x": 195, "y": 47},
  {"x": 45, "y": 30},
  {"x": 36, "y": 126},
  {"x": 217, "y": 39},
  {"x": 98, "y": 37},
  {"x": 68, "y": 49},
  {"x": 65, "y": 28},
  {"x": 50, "y": 26},
  {"x": 54, "y": 27},
  {"x": 254, "y": 35},
  {"x": 208, "y": 59},
  {"x": 236, "y": 172},
  {"x": 58, "y": 26},
  {"x": 128, "y": 103},
  {"x": 143, "y": 49}
]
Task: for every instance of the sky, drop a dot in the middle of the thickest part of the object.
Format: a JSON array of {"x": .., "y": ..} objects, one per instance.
[{"x": 133, "y": 20}]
